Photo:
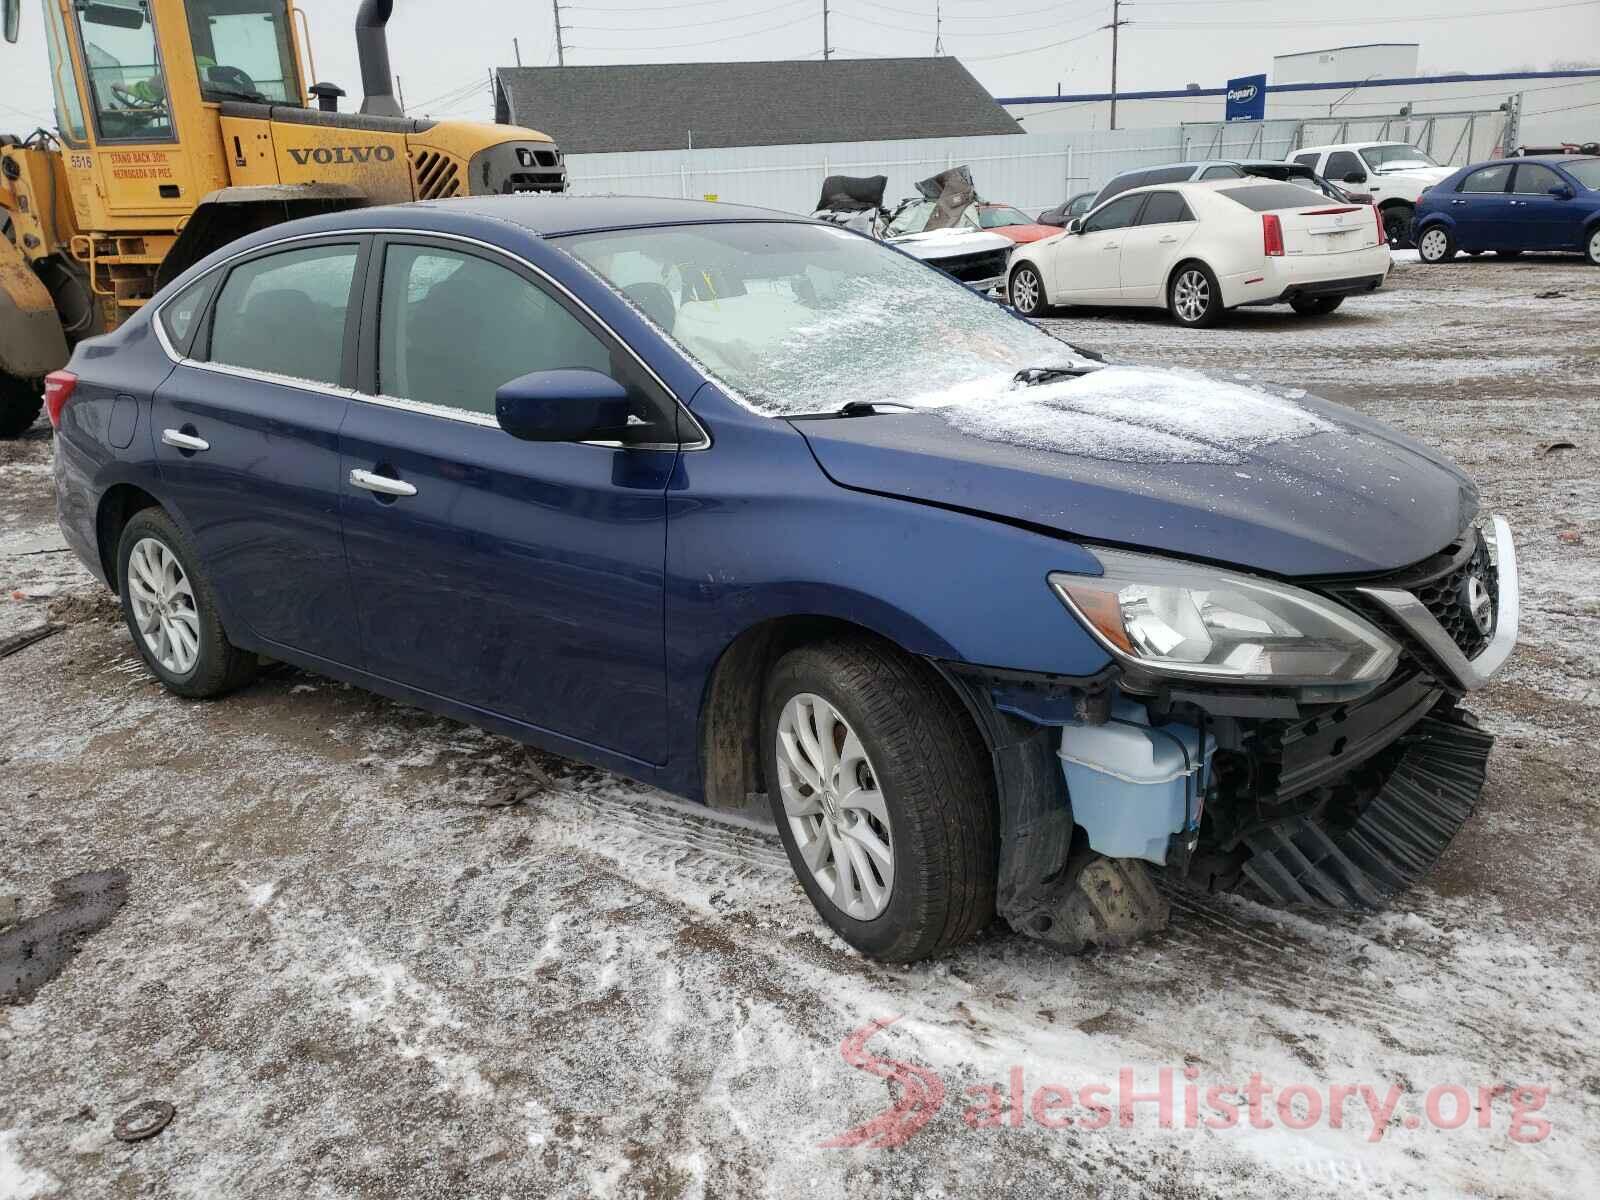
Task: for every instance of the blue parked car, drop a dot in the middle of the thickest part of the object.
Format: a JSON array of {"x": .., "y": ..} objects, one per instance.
[
  {"x": 1549, "y": 202},
  {"x": 731, "y": 503}
]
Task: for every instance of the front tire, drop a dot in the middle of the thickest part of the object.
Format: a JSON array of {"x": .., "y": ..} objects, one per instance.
[
  {"x": 1193, "y": 297},
  {"x": 1397, "y": 221},
  {"x": 1315, "y": 306},
  {"x": 884, "y": 797},
  {"x": 1591, "y": 248},
  {"x": 1436, "y": 245},
  {"x": 20, "y": 402},
  {"x": 171, "y": 611},
  {"x": 1026, "y": 291}
]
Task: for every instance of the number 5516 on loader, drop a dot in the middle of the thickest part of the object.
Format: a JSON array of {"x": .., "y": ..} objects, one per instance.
[{"x": 183, "y": 124}]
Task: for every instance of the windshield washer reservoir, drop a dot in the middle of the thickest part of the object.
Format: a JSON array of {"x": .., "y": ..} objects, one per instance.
[{"x": 1133, "y": 785}]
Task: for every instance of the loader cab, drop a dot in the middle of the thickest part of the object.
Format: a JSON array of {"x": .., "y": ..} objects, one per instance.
[{"x": 137, "y": 86}]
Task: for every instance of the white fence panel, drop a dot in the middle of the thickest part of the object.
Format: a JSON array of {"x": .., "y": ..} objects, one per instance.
[{"x": 1034, "y": 171}]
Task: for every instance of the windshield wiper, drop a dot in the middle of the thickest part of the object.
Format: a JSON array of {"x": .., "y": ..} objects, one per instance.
[
  {"x": 856, "y": 408},
  {"x": 1031, "y": 376}
]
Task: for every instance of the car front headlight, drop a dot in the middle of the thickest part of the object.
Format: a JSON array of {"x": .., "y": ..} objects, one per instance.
[{"x": 1179, "y": 619}]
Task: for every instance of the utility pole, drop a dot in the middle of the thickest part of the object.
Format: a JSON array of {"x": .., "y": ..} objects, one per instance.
[
  {"x": 517, "y": 51},
  {"x": 400, "y": 91},
  {"x": 938, "y": 29},
  {"x": 1116, "y": 24},
  {"x": 561, "y": 48},
  {"x": 827, "y": 50}
]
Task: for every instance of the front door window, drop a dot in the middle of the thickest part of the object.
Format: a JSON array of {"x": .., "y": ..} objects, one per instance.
[{"x": 127, "y": 86}]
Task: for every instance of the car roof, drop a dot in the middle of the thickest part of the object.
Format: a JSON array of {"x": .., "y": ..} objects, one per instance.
[
  {"x": 1349, "y": 146},
  {"x": 1554, "y": 160},
  {"x": 552, "y": 214}
]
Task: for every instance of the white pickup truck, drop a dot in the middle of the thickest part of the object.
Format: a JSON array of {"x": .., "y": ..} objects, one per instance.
[{"x": 1393, "y": 173}]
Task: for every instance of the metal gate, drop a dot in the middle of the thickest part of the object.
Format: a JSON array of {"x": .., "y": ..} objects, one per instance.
[{"x": 1450, "y": 138}]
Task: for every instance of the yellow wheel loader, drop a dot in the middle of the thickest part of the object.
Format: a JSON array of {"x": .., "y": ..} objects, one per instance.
[{"x": 183, "y": 124}]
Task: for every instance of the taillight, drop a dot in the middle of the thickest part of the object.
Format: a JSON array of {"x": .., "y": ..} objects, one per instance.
[
  {"x": 1377, "y": 214},
  {"x": 58, "y": 387},
  {"x": 1271, "y": 235}
]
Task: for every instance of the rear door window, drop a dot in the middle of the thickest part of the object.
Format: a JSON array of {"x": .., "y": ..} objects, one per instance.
[
  {"x": 1170, "y": 175},
  {"x": 1119, "y": 214},
  {"x": 286, "y": 313},
  {"x": 1487, "y": 179},
  {"x": 1535, "y": 180},
  {"x": 1308, "y": 160},
  {"x": 454, "y": 327},
  {"x": 1222, "y": 173},
  {"x": 1165, "y": 208}
]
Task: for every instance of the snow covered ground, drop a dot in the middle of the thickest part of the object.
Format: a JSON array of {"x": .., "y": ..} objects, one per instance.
[{"x": 352, "y": 980}]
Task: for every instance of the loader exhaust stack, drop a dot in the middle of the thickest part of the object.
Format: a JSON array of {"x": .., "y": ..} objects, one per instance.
[{"x": 372, "y": 48}]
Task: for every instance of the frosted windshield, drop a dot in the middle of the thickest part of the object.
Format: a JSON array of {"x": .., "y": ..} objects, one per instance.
[{"x": 796, "y": 318}]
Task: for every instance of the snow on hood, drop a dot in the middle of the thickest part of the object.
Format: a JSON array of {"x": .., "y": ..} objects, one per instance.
[{"x": 1130, "y": 414}]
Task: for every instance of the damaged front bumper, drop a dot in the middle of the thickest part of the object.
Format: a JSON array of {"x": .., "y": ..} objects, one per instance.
[{"x": 1340, "y": 804}]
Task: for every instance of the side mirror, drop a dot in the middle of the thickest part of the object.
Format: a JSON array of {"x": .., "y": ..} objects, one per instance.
[
  {"x": 10, "y": 18},
  {"x": 1075, "y": 225},
  {"x": 1356, "y": 177},
  {"x": 1561, "y": 192},
  {"x": 563, "y": 406}
]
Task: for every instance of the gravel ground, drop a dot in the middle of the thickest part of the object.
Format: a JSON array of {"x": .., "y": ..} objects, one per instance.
[{"x": 352, "y": 980}]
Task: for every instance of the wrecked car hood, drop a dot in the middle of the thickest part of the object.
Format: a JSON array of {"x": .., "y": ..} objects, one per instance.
[
  {"x": 946, "y": 243},
  {"x": 1337, "y": 494}
]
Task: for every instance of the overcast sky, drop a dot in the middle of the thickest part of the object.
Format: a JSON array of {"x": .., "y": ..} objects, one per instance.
[{"x": 442, "y": 49}]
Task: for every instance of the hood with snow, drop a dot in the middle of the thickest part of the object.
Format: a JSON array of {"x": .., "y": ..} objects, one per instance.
[{"x": 1168, "y": 461}]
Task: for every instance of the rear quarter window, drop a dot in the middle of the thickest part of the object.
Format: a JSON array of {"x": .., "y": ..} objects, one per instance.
[{"x": 1269, "y": 197}]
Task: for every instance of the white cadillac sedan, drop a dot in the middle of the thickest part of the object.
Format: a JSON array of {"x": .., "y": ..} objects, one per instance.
[{"x": 1199, "y": 249}]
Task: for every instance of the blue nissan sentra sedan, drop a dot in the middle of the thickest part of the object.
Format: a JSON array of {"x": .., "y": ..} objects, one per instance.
[
  {"x": 736, "y": 503},
  {"x": 1546, "y": 202}
]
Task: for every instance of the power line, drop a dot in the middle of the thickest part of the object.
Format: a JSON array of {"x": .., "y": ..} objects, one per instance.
[
  {"x": 697, "y": 42},
  {"x": 762, "y": 12},
  {"x": 1455, "y": 16}
]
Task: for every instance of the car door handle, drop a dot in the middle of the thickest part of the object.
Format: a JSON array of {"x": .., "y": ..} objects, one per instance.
[
  {"x": 1168, "y": 238},
  {"x": 1458, "y": 202},
  {"x": 1112, "y": 245},
  {"x": 183, "y": 441},
  {"x": 381, "y": 483}
]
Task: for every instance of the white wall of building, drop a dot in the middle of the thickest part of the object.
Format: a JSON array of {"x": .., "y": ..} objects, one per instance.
[{"x": 1386, "y": 61}]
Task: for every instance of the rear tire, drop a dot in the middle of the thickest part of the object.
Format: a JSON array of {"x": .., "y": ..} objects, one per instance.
[
  {"x": 1316, "y": 306},
  {"x": 1436, "y": 246},
  {"x": 1397, "y": 221},
  {"x": 1025, "y": 290},
  {"x": 171, "y": 611},
  {"x": 904, "y": 774},
  {"x": 20, "y": 402},
  {"x": 1193, "y": 297},
  {"x": 1591, "y": 248}
]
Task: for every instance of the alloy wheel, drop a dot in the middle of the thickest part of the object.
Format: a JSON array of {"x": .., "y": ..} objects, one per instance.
[
  {"x": 1594, "y": 247},
  {"x": 1433, "y": 245},
  {"x": 835, "y": 807},
  {"x": 164, "y": 606},
  {"x": 1025, "y": 291},
  {"x": 1191, "y": 295}
]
